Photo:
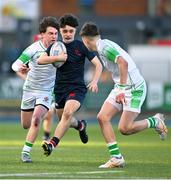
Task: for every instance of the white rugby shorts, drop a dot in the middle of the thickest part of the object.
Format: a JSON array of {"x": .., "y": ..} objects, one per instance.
[
  {"x": 32, "y": 98},
  {"x": 135, "y": 96}
]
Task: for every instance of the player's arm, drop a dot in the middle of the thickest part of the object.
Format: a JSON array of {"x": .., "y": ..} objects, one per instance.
[
  {"x": 46, "y": 59},
  {"x": 21, "y": 75},
  {"x": 97, "y": 73},
  {"x": 123, "y": 70},
  {"x": 20, "y": 65},
  {"x": 113, "y": 55}
]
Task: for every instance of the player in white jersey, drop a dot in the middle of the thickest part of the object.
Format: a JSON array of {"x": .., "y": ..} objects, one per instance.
[
  {"x": 39, "y": 83},
  {"x": 128, "y": 94},
  {"x": 48, "y": 119}
]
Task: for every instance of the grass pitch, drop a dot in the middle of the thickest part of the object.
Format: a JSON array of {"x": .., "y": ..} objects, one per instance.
[{"x": 145, "y": 154}]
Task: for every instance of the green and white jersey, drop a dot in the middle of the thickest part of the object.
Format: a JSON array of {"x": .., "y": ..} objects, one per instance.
[
  {"x": 108, "y": 52},
  {"x": 40, "y": 77}
]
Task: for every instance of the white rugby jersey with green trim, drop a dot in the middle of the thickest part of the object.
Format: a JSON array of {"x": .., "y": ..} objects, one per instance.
[
  {"x": 40, "y": 77},
  {"x": 108, "y": 52}
]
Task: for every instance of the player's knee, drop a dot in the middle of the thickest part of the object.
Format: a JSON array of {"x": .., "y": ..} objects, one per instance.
[
  {"x": 67, "y": 113},
  {"x": 36, "y": 121},
  {"x": 102, "y": 118},
  {"x": 25, "y": 126},
  {"x": 124, "y": 130}
]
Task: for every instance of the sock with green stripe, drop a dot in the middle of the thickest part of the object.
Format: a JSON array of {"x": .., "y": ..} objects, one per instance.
[
  {"x": 151, "y": 122},
  {"x": 27, "y": 147},
  {"x": 114, "y": 149}
]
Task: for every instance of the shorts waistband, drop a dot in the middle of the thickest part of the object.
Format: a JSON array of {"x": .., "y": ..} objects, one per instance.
[{"x": 128, "y": 87}]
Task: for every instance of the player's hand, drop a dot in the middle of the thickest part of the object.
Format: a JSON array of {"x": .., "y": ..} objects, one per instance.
[
  {"x": 62, "y": 57},
  {"x": 120, "y": 95},
  {"x": 24, "y": 69},
  {"x": 120, "y": 98},
  {"x": 92, "y": 86}
]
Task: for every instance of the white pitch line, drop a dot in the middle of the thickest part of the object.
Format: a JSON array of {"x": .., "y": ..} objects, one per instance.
[
  {"x": 100, "y": 172},
  {"x": 59, "y": 173}
]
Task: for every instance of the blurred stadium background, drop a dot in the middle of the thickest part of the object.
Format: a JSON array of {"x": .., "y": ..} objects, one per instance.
[{"x": 142, "y": 27}]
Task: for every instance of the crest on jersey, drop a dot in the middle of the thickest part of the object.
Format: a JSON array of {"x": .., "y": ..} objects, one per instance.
[
  {"x": 46, "y": 99},
  {"x": 56, "y": 52}
]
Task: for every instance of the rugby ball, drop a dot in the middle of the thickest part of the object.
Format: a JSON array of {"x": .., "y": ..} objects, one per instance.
[{"x": 56, "y": 49}]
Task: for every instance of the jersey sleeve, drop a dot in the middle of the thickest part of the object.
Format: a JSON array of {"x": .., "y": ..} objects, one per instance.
[
  {"x": 110, "y": 53},
  {"x": 27, "y": 55}
]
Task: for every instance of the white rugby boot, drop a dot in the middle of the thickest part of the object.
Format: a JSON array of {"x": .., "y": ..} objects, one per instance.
[
  {"x": 161, "y": 128},
  {"x": 114, "y": 162}
]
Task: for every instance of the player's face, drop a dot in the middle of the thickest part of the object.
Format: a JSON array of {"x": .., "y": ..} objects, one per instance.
[
  {"x": 50, "y": 36},
  {"x": 67, "y": 33},
  {"x": 88, "y": 43}
]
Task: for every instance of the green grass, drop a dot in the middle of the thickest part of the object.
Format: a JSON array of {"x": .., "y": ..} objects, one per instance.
[{"x": 146, "y": 156}]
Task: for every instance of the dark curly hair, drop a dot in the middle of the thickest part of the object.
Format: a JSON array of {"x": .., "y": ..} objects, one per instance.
[
  {"x": 48, "y": 21},
  {"x": 68, "y": 19},
  {"x": 89, "y": 29}
]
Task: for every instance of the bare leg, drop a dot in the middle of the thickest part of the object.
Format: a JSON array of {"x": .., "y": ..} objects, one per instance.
[
  {"x": 128, "y": 125},
  {"x": 47, "y": 124},
  {"x": 80, "y": 126},
  {"x": 38, "y": 115},
  {"x": 70, "y": 108},
  {"x": 26, "y": 119},
  {"x": 104, "y": 117}
]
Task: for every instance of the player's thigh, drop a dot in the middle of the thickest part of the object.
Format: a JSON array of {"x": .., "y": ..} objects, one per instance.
[
  {"x": 48, "y": 115},
  {"x": 26, "y": 117},
  {"x": 127, "y": 119},
  {"x": 71, "y": 106},
  {"x": 109, "y": 108},
  {"x": 107, "y": 111},
  {"x": 39, "y": 113}
]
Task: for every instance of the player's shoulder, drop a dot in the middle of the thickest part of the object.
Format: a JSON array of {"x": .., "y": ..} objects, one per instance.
[
  {"x": 35, "y": 46},
  {"x": 104, "y": 43}
]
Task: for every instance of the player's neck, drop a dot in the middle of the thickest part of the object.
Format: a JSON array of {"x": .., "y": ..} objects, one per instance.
[{"x": 45, "y": 43}]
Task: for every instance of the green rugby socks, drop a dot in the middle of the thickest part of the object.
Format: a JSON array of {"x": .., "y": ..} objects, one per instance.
[
  {"x": 27, "y": 147},
  {"x": 114, "y": 149},
  {"x": 151, "y": 122}
]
